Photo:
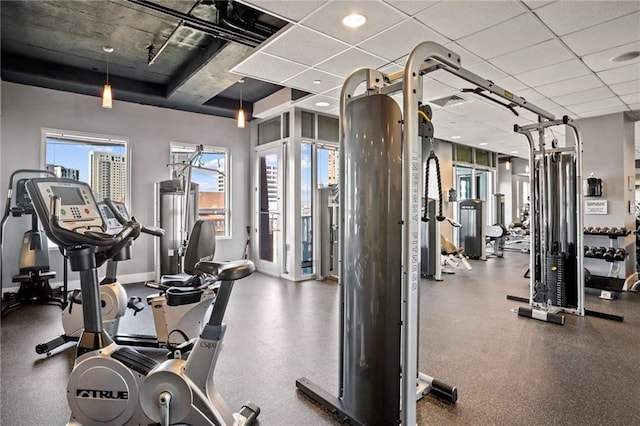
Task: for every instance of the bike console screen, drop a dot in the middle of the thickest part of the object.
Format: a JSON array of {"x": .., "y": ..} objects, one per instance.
[{"x": 68, "y": 196}]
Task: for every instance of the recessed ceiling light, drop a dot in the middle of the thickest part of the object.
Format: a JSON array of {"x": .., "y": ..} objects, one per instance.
[
  {"x": 317, "y": 81},
  {"x": 514, "y": 152},
  {"x": 354, "y": 20},
  {"x": 456, "y": 137},
  {"x": 107, "y": 49},
  {"x": 483, "y": 143},
  {"x": 626, "y": 56},
  {"x": 322, "y": 104}
]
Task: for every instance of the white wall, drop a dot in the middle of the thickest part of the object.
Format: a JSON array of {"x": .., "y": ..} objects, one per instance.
[
  {"x": 26, "y": 110},
  {"x": 609, "y": 153}
]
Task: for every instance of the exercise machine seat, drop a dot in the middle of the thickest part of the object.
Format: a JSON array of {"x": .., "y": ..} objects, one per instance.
[
  {"x": 201, "y": 245},
  {"x": 177, "y": 296},
  {"x": 227, "y": 271}
]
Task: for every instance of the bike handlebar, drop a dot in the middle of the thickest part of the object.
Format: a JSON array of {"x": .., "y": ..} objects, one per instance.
[{"x": 113, "y": 243}]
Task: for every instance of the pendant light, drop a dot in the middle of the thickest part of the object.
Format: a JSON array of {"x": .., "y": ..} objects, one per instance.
[
  {"x": 241, "y": 118},
  {"x": 107, "y": 96}
]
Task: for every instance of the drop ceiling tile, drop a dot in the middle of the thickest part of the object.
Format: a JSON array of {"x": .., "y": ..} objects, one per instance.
[
  {"x": 411, "y": 7},
  {"x": 620, "y": 74},
  {"x": 456, "y": 19},
  {"x": 557, "y": 72},
  {"x": 570, "y": 86},
  {"x": 289, "y": 10},
  {"x": 604, "y": 36},
  {"x": 511, "y": 84},
  {"x": 514, "y": 34},
  {"x": 560, "y": 112},
  {"x": 287, "y": 46},
  {"x": 632, "y": 98},
  {"x": 268, "y": 68},
  {"x": 546, "y": 104},
  {"x": 466, "y": 58},
  {"x": 328, "y": 19},
  {"x": 475, "y": 108},
  {"x": 310, "y": 103},
  {"x": 346, "y": 62},
  {"x": 606, "y": 111},
  {"x": 584, "y": 96},
  {"x": 596, "y": 105},
  {"x": 447, "y": 78},
  {"x": 486, "y": 71},
  {"x": 333, "y": 93},
  {"x": 626, "y": 88},
  {"x": 305, "y": 81},
  {"x": 533, "y": 57},
  {"x": 534, "y": 4},
  {"x": 602, "y": 60},
  {"x": 564, "y": 17},
  {"x": 433, "y": 89},
  {"x": 445, "y": 118},
  {"x": 400, "y": 39},
  {"x": 530, "y": 95},
  {"x": 391, "y": 68}
]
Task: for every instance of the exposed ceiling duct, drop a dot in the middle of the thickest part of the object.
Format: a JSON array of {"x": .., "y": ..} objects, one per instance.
[{"x": 58, "y": 45}]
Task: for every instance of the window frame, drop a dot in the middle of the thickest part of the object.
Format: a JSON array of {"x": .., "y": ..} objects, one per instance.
[{"x": 85, "y": 138}]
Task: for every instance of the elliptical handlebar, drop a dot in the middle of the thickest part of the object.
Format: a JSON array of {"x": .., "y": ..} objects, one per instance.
[{"x": 150, "y": 230}]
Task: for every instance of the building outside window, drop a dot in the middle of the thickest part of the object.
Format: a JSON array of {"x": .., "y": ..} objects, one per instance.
[{"x": 100, "y": 161}]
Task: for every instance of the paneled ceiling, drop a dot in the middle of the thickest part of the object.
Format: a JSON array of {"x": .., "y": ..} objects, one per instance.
[{"x": 556, "y": 54}]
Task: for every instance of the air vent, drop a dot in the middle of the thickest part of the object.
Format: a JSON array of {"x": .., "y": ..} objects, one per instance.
[{"x": 448, "y": 101}]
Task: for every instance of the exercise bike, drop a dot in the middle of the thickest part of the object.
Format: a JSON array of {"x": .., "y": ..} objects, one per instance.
[
  {"x": 175, "y": 324},
  {"x": 113, "y": 384}
]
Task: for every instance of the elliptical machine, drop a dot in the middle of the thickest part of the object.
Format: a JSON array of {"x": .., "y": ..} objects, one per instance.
[
  {"x": 112, "y": 384},
  {"x": 175, "y": 323},
  {"x": 34, "y": 273}
]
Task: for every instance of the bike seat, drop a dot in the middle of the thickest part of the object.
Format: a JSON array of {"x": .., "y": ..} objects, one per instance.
[{"x": 227, "y": 271}]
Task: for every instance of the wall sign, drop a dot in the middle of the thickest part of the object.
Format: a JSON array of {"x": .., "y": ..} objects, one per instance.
[{"x": 595, "y": 207}]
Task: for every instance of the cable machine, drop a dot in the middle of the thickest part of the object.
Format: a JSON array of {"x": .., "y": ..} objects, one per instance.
[
  {"x": 557, "y": 280},
  {"x": 177, "y": 204},
  {"x": 380, "y": 195}
]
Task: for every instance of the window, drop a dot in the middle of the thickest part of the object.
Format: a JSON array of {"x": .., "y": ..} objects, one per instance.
[
  {"x": 100, "y": 161},
  {"x": 308, "y": 125},
  {"x": 328, "y": 163},
  {"x": 269, "y": 130},
  {"x": 306, "y": 197},
  {"x": 214, "y": 187},
  {"x": 328, "y": 128}
]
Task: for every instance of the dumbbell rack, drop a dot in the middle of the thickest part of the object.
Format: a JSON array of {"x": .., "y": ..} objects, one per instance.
[{"x": 612, "y": 283}]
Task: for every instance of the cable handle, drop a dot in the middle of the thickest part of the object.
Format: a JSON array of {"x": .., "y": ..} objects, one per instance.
[{"x": 432, "y": 157}]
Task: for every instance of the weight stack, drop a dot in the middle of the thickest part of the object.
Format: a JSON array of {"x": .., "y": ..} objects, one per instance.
[{"x": 555, "y": 279}]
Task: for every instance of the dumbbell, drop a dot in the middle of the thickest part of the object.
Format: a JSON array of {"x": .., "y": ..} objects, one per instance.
[
  {"x": 608, "y": 254},
  {"x": 590, "y": 252},
  {"x": 620, "y": 254}
]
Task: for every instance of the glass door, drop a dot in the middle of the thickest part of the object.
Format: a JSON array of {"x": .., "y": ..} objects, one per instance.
[
  {"x": 268, "y": 224},
  {"x": 464, "y": 182}
]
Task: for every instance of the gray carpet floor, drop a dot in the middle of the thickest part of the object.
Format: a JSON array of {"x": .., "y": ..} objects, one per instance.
[{"x": 508, "y": 370}]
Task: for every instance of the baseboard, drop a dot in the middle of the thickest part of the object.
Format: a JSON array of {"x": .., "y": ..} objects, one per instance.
[{"x": 124, "y": 279}]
